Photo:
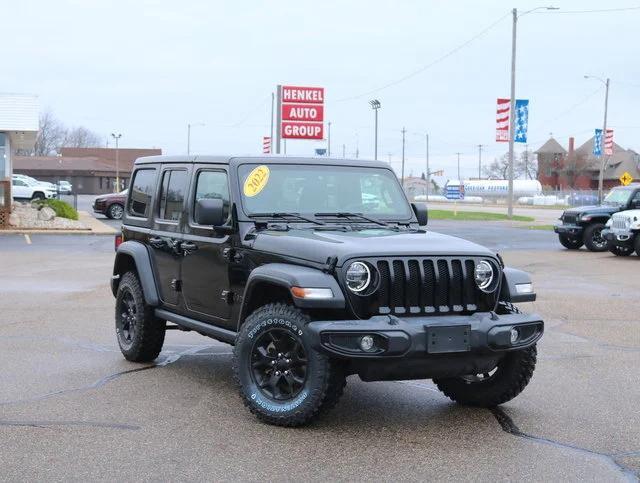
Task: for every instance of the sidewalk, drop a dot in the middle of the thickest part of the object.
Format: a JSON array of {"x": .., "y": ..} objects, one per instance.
[{"x": 92, "y": 224}]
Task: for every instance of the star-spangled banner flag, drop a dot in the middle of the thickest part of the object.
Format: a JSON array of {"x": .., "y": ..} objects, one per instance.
[
  {"x": 608, "y": 143},
  {"x": 522, "y": 120},
  {"x": 502, "y": 120},
  {"x": 597, "y": 143}
]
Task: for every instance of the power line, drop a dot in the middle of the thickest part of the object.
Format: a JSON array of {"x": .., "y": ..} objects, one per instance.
[
  {"x": 429, "y": 65},
  {"x": 601, "y": 10}
]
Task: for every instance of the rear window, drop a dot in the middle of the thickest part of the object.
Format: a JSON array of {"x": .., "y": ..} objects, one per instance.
[
  {"x": 174, "y": 185},
  {"x": 141, "y": 192}
]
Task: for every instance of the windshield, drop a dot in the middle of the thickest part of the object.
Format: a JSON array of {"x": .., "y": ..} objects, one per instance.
[
  {"x": 618, "y": 196},
  {"x": 277, "y": 188}
]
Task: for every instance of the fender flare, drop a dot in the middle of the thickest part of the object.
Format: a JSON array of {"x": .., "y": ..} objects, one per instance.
[
  {"x": 140, "y": 256},
  {"x": 287, "y": 276},
  {"x": 510, "y": 278}
]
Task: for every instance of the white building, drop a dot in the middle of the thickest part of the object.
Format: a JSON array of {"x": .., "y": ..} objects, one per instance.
[{"x": 19, "y": 114}]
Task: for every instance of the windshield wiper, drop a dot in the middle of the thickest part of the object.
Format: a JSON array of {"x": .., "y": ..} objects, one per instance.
[
  {"x": 348, "y": 215},
  {"x": 284, "y": 215}
]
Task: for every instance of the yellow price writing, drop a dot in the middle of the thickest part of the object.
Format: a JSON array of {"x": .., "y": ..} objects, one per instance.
[{"x": 256, "y": 181}]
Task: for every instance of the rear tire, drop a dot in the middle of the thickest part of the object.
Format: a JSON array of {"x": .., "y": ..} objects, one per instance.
[
  {"x": 636, "y": 244},
  {"x": 282, "y": 380},
  {"x": 139, "y": 332},
  {"x": 593, "y": 239},
  {"x": 570, "y": 243},
  {"x": 38, "y": 196}
]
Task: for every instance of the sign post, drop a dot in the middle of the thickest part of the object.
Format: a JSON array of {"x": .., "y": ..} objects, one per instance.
[{"x": 278, "y": 117}]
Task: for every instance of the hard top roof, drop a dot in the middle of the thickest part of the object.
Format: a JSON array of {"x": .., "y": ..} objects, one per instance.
[{"x": 269, "y": 159}]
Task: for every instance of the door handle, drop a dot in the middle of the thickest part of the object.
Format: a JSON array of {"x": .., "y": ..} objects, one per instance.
[
  {"x": 157, "y": 242},
  {"x": 188, "y": 248}
]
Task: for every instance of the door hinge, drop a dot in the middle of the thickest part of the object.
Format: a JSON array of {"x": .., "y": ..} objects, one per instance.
[
  {"x": 176, "y": 284},
  {"x": 227, "y": 296},
  {"x": 231, "y": 255}
]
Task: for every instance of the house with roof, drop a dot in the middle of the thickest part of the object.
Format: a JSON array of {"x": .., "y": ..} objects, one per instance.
[
  {"x": 578, "y": 168},
  {"x": 89, "y": 170}
]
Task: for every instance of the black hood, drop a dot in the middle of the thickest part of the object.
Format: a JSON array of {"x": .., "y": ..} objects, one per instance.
[
  {"x": 595, "y": 210},
  {"x": 318, "y": 245}
]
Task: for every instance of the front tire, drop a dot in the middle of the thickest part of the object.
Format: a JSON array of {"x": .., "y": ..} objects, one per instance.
[
  {"x": 570, "y": 243},
  {"x": 593, "y": 239},
  {"x": 139, "y": 332},
  {"x": 115, "y": 211},
  {"x": 621, "y": 251},
  {"x": 38, "y": 196},
  {"x": 281, "y": 378}
]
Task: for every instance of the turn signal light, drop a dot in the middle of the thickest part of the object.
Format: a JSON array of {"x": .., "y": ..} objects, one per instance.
[{"x": 312, "y": 293}]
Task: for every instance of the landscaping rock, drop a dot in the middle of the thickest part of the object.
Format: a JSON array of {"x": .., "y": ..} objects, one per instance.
[{"x": 46, "y": 213}]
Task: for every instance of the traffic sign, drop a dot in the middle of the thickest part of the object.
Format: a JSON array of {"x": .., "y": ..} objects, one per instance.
[{"x": 626, "y": 179}]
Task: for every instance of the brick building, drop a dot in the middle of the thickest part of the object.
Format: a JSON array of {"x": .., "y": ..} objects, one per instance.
[
  {"x": 89, "y": 170},
  {"x": 578, "y": 168}
]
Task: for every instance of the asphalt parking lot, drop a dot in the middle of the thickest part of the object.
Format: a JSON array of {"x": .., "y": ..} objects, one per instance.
[{"x": 72, "y": 408}]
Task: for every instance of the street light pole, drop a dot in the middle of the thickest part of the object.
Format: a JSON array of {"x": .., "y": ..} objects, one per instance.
[
  {"x": 603, "y": 162},
  {"x": 189, "y": 126},
  {"x": 117, "y": 138},
  {"x": 404, "y": 131},
  {"x": 512, "y": 113},
  {"x": 428, "y": 172},
  {"x": 459, "y": 166},
  {"x": 479, "y": 161},
  {"x": 329, "y": 139},
  {"x": 375, "y": 105}
]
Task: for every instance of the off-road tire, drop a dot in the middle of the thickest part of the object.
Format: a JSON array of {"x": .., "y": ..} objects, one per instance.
[
  {"x": 619, "y": 251},
  {"x": 115, "y": 211},
  {"x": 511, "y": 377},
  {"x": 148, "y": 336},
  {"x": 325, "y": 379},
  {"x": 38, "y": 196},
  {"x": 570, "y": 243},
  {"x": 589, "y": 234},
  {"x": 636, "y": 244}
]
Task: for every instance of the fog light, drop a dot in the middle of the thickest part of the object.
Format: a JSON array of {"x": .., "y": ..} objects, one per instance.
[
  {"x": 366, "y": 343},
  {"x": 514, "y": 335}
]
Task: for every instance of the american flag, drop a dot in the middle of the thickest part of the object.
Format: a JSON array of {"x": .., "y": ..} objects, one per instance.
[
  {"x": 597, "y": 143},
  {"x": 522, "y": 120},
  {"x": 608, "y": 143},
  {"x": 266, "y": 144},
  {"x": 502, "y": 120}
]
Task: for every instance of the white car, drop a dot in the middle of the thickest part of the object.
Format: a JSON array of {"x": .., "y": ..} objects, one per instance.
[
  {"x": 22, "y": 188},
  {"x": 65, "y": 187}
]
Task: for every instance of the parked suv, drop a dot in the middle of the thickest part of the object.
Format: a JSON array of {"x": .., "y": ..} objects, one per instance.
[
  {"x": 622, "y": 231},
  {"x": 584, "y": 225},
  {"x": 25, "y": 189},
  {"x": 315, "y": 269}
]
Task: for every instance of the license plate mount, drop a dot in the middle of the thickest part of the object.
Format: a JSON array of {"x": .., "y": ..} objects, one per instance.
[{"x": 448, "y": 339}]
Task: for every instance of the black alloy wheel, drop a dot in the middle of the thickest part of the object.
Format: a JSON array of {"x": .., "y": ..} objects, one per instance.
[
  {"x": 279, "y": 364},
  {"x": 127, "y": 319},
  {"x": 593, "y": 238}
]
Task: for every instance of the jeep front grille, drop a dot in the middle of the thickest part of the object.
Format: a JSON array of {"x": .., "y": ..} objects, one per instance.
[
  {"x": 620, "y": 222},
  {"x": 569, "y": 218},
  {"x": 423, "y": 286}
]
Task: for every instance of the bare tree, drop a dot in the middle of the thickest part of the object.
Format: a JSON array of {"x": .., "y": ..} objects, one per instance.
[
  {"x": 573, "y": 167},
  {"x": 51, "y": 133},
  {"x": 81, "y": 137},
  {"x": 528, "y": 165}
]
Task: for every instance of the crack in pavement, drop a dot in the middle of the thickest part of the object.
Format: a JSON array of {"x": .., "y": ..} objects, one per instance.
[
  {"x": 507, "y": 424},
  {"x": 597, "y": 342},
  {"x": 106, "y": 379},
  {"x": 47, "y": 424}
]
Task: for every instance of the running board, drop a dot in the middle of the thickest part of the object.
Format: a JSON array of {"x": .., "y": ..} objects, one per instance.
[{"x": 218, "y": 333}]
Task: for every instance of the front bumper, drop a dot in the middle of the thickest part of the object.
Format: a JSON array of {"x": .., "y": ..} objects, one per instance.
[
  {"x": 617, "y": 237},
  {"x": 574, "y": 231},
  {"x": 427, "y": 336}
]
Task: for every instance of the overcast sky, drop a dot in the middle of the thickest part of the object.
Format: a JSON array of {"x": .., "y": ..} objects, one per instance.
[{"x": 147, "y": 68}]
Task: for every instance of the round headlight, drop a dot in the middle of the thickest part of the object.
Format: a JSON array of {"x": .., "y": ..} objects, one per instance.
[
  {"x": 358, "y": 277},
  {"x": 483, "y": 275}
]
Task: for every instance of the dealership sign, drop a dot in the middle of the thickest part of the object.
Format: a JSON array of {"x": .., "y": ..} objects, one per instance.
[{"x": 301, "y": 112}]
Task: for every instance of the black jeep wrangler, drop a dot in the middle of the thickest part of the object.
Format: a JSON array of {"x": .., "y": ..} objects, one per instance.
[
  {"x": 315, "y": 269},
  {"x": 583, "y": 225}
]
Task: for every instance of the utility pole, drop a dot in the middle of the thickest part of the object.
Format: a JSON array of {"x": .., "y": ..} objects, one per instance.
[
  {"x": 271, "y": 132},
  {"x": 512, "y": 113},
  {"x": 344, "y": 151},
  {"x": 404, "y": 131},
  {"x": 278, "y": 117},
  {"x": 428, "y": 172},
  {"x": 459, "y": 166},
  {"x": 603, "y": 162},
  {"x": 189, "y": 126},
  {"x": 117, "y": 138},
  {"x": 526, "y": 162},
  {"x": 389, "y": 156},
  {"x": 329, "y": 139},
  {"x": 479, "y": 161}
]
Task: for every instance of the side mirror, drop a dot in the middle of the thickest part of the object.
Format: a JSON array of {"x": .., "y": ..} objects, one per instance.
[
  {"x": 422, "y": 214},
  {"x": 209, "y": 212}
]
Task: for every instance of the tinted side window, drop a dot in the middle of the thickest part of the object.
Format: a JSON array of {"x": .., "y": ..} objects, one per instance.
[
  {"x": 141, "y": 192},
  {"x": 211, "y": 185},
  {"x": 174, "y": 184}
]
